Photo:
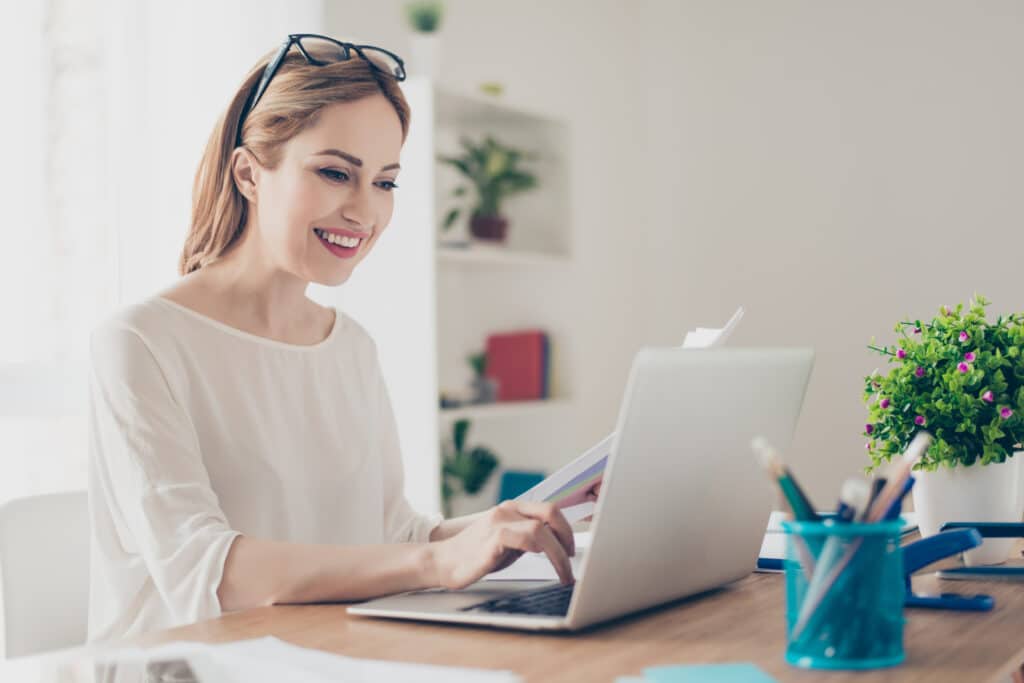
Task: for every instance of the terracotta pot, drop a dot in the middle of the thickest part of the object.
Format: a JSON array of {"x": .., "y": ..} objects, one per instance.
[{"x": 488, "y": 227}]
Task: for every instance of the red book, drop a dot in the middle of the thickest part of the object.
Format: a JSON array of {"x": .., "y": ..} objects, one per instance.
[{"x": 517, "y": 361}]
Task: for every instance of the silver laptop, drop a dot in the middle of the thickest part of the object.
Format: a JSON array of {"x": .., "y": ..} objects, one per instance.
[{"x": 683, "y": 504}]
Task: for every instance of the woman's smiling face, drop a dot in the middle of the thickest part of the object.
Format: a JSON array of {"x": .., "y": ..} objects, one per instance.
[{"x": 321, "y": 210}]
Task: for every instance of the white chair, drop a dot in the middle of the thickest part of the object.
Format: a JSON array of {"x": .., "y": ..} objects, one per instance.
[{"x": 44, "y": 573}]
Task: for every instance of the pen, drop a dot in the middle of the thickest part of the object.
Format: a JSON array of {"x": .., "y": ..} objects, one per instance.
[
  {"x": 877, "y": 484},
  {"x": 798, "y": 502},
  {"x": 894, "y": 486},
  {"x": 853, "y": 498},
  {"x": 920, "y": 443},
  {"x": 894, "y": 509}
]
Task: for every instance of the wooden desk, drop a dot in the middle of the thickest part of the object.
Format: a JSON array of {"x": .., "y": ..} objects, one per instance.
[
  {"x": 741, "y": 623},
  {"x": 744, "y": 622}
]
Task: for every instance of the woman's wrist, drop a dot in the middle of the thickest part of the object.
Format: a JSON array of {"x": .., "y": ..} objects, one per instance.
[{"x": 429, "y": 564}]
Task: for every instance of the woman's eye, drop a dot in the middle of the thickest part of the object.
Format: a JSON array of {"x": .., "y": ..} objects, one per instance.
[
  {"x": 331, "y": 174},
  {"x": 388, "y": 185}
]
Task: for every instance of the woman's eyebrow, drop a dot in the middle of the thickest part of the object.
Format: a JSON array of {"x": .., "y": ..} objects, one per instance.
[{"x": 355, "y": 161}]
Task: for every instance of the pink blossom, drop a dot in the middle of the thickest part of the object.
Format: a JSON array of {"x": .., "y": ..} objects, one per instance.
[
  {"x": 920, "y": 421},
  {"x": 917, "y": 330},
  {"x": 1005, "y": 413},
  {"x": 919, "y": 372},
  {"x": 988, "y": 396},
  {"x": 964, "y": 336},
  {"x": 869, "y": 428},
  {"x": 884, "y": 403},
  {"x": 963, "y": 367},
  {"x": 970, "y": 357},
  {"x": 867, "y": 445},
  {"x": 900, "y": 353}
]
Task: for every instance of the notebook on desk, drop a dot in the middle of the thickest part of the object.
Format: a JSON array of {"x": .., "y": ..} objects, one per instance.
[{"x": 681, "y": 491}]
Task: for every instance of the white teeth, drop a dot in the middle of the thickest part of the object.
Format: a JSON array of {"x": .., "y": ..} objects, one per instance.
[{"x": 348, "y": 242}]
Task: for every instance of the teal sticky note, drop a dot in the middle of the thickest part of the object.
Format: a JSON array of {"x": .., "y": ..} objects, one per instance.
[{"x": 708, "y": 673}]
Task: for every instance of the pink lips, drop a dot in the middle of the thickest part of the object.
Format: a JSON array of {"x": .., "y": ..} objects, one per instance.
[{"x": 337, "y": 249}]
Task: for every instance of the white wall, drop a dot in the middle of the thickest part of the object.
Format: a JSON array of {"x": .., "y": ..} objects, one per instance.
[
  {"x": 831, "y": 165},
  {"x": 554, "y": 57}
]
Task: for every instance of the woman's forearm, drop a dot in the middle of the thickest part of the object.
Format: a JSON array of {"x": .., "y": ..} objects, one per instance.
[{"x": 258, "y": 572}]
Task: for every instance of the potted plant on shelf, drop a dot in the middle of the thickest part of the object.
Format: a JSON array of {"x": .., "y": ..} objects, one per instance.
[
  {"x": 424, "y": 18},
  {"x": 961, "y": 378},
  {"x": 463, "y": 471},
  {"x": 493, "y": 171}
]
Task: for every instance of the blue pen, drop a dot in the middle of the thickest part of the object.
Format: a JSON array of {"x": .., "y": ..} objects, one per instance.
[
  {"x": 853, "y": 498},
  {"x": 897, "y": 504}
]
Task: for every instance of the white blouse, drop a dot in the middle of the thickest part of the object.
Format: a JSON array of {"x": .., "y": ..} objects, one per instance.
[{"x": 200, "y": 432}]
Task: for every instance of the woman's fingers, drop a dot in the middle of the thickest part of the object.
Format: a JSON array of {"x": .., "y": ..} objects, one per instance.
[
  {"x": 553, "y": 517},
  {"x": 535, "y": 536}
]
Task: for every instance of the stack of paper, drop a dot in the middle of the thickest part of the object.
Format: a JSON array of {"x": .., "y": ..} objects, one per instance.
[{"x": 266, "y": 660}]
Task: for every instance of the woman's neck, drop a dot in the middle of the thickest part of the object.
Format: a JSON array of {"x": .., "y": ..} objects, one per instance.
[{"x": 246, "y": 290}]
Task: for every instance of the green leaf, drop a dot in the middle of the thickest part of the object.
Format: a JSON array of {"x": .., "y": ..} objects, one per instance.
[
  {"x": 450, "y": 218},
  {"x": 459, "y": 430}
]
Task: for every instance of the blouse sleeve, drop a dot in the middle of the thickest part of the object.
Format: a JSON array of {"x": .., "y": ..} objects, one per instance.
[
  {"x": 149, "y": 473},
  {"x": 401, "y": 523}
]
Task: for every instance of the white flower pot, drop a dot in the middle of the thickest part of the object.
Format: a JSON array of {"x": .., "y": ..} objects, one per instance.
[
  {"x": 982, "y": 493},
  {"x": 424, "y": 55}
]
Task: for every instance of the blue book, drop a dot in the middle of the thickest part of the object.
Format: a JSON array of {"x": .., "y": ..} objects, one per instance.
[{"x": 708, "y": 673}]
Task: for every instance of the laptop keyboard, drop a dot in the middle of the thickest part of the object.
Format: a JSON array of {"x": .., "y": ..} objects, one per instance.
[{"x": 549, "y": 601}]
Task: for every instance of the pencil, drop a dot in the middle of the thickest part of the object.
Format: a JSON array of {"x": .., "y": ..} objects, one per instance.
[{"x": 772, "y": 463}]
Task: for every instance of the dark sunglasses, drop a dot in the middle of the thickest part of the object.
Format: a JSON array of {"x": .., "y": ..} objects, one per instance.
[{"x": 320, "y": 51}]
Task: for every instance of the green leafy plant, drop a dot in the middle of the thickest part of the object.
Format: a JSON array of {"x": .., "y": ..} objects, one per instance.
[
  {"x": 958, "y": 376},
  {"x": 462, "y": 470},
  {"x": 492, "y": 169},
  {"x": 424, "y": 16}
]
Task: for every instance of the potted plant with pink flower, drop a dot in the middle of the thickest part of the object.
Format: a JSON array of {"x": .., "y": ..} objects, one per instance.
[{"x": 960, "y": 377}]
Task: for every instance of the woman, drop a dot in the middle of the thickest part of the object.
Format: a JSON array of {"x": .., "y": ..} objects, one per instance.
[{"x": 243, "y": 446}]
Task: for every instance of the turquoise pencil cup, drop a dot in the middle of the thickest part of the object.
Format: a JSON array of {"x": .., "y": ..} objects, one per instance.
[{"x": 844, "y": 594}]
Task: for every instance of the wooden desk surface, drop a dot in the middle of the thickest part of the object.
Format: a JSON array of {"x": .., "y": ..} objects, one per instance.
[{"x": 742, "y": 623}]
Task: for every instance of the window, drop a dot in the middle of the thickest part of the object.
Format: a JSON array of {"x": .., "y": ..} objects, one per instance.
[{"x": 115, "y": 102}]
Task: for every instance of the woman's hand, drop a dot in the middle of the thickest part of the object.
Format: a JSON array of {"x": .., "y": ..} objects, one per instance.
[{"x": 499, "y": 537}]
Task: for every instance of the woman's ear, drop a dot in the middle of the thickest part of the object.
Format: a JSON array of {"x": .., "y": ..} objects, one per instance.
[{"x": 245, "y": 172}]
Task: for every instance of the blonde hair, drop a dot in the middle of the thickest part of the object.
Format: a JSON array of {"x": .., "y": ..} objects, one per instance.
[{"x": 290, "y": 104}]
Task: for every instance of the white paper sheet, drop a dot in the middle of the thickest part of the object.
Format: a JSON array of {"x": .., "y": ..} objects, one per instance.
[{"x": 266, "y": 660}]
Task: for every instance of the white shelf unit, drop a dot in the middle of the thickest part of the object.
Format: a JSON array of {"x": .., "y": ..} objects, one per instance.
[
  {"x": 488, "y": 256},
  {"x": 429, "y": 305},
  {"x": 504, "y": 409}
]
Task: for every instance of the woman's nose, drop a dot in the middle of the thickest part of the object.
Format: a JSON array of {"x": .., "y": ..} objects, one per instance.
[{"x": 357, "y": 208}]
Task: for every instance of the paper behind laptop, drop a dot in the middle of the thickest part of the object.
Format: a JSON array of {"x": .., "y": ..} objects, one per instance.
[{"x": 569, "y": 486}]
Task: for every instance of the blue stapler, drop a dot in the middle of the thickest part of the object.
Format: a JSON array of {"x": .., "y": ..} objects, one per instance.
[
  {"x": 932, "y": 549},
  {"x": 987, "y": 530}
]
